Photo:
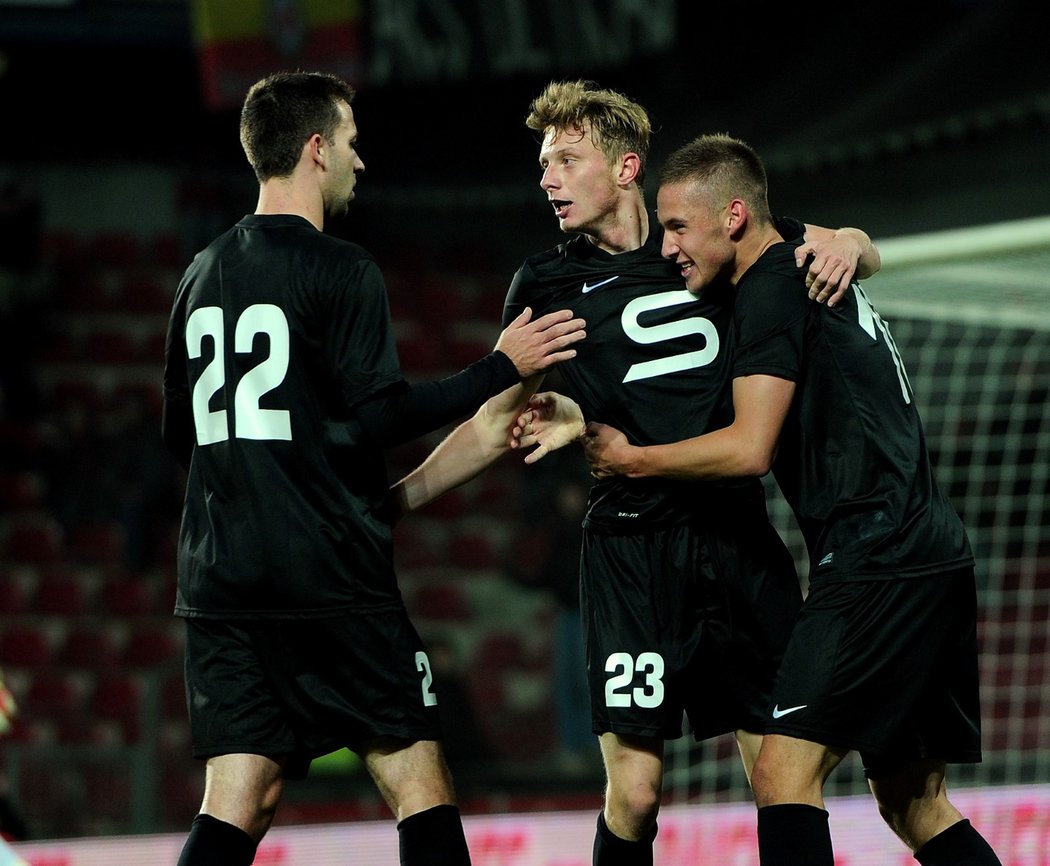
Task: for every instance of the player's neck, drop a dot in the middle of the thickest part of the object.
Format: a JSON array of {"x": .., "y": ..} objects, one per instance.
[
  {"x": 286, "y": 196},
  {"x": 626, "y": 230},
  {"x": 751, "y": 246}
]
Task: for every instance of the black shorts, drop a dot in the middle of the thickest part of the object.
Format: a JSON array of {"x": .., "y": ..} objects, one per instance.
[
  {"x": 303, "y": 688},
  {"x": 686, "y": 619},
  {"x": 887, "y": 668}
]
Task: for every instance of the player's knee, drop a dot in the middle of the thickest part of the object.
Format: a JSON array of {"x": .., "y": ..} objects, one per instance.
[
  {"x": 771, "y": 785},
  {"x": 633, "y": 812}
]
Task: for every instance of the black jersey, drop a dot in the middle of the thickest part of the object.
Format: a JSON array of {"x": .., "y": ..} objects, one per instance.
[
  {"x": 852, "y": 458},
  {"x": 277, "y": 331},
  {"x": 655, "y": 364}
]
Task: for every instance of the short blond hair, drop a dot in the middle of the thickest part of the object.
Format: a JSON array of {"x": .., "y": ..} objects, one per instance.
[{"x": 617, "y": 125}]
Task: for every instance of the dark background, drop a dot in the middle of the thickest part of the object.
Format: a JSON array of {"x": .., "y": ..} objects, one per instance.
[{"x": 900, "y": 119}]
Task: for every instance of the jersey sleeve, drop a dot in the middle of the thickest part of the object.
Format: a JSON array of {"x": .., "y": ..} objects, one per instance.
[
  {"x": 360, "y": 334},
  {"x": 176, "y": 415},
  {"x": 790, "y": 228},
  {"x": 520, "y": 295},
  {"x": 770, "y": 319}
]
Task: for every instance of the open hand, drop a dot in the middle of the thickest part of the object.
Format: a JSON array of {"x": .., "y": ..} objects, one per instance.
[
  {"x": 535, "y": 346},
  {"x": 549, "y": 421}
]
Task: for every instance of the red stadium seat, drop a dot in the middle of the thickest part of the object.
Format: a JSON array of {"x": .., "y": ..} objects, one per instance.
[
  {"x": 37, "y": 538},
  {"x": 26, "y": 645},
  {"x": 416, "y": 547},
  {"x": 112, "y": 347},
  {"x": 154, "y": 645},
  {"x": 173, "y": 697},
  {"x": 64, "y": 593},
  {"x": 115, "y": 248},
  {"x": 22, "y": 489},
  {"x": 96, "y": 646},
  {"x": 17, "y": 587},
  {"x": 98, "y": 543},
  {"x": 441, "y": 601},
  {"x": 131, "y": 597},
  {"x": 119, "y": 699},
  {"x": 474, "y": 551},
  {"x": 54, "y": 695},
  {"x": 147, "y": 292}
]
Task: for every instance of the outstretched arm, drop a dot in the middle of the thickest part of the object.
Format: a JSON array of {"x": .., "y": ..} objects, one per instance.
[
  {"x": 465, "y": 453},
  {"x": 744, "y": 448},
  {"x": 550, "y": 421},
  {"x": 838, "y": 256}
]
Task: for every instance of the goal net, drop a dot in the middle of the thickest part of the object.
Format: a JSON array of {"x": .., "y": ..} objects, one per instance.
[{"x": 970, "y": 312}]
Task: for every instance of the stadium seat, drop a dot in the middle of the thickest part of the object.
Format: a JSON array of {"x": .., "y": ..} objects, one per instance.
[
  {"x": 17, "y": 587},
  {"x": 154, "y": 645},
  {"x": 173, "y": 696},
  {"x": 165, "y": 251},
  {"x": 120, "y": 248},
  {"x": 416, "y": 546},
  {"x": 130, "y": 596},
  {"x": 146, "y": 292},
  {"x": 30, "y": 732},
  {"x": 21, "y": 489},
  {"x": 473, "y": 551},
  {"x": 54, "y": 695},
  {"x": 500, "y": 651},
  {"x": 441, "y": 601},
  {"x": 450, "y": 506},
  {"x": 64, "y": 592},
  {"x": 27, "y": 645},
  {"x": 96, "y": 646},
  {"x": 101, "y": 543},
  {"x": 112, "y": 347},
  {"x": 118, "y": 698},
  {"x": 36, "y": 538}
]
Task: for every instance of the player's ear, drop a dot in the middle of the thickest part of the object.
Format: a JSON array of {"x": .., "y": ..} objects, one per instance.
[
  {"x": 315, "y": 149},
  {"x": 630, "y": 165},
  {"x": 737, "y": 215}
]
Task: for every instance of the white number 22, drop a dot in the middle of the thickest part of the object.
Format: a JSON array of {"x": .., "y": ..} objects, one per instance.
[{"x": 250, "y": 420}]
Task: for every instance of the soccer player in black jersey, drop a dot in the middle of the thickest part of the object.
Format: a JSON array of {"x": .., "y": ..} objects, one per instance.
[
  {"x": 883, "y": 658},
  {"x": 282, "y": 388},
  {"x": 688, "y": 594}
]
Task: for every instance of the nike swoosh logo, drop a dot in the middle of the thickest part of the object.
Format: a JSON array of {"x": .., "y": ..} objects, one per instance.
[
  {"x": 591, "y": 288},
  {"x": 777, "y": 712}
]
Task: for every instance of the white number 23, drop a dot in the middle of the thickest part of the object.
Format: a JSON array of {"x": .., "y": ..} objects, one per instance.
[{"x": 618, "y": 691}]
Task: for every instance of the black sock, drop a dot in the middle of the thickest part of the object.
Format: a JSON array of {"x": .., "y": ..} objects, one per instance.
[
  {"x": 433, "y": 837},
  {"x": 212, "y": 842},
  {"x": 794, "y": 834},
  {"x": 959, "y": 845},
  {"x": 611, "y": 850}
]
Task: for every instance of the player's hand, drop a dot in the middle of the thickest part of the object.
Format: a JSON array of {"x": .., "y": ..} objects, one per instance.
[
  {"x": 606, "y": 449},
  {"x": 549, "y": 421},
  {"x": 535, "y": 346},
  {"x": 832, "y": 268}
]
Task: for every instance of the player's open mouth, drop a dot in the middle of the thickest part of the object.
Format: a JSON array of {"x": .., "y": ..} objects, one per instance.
[
  {"x": 685, "y": 268},
  {"x": 560, "y": 207}
]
